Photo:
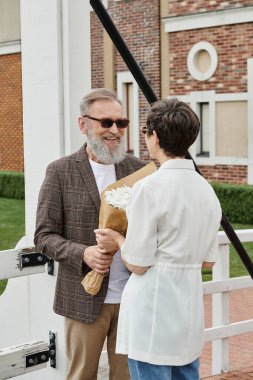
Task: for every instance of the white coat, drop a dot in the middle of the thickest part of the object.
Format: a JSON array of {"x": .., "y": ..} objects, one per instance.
[{"x": 173, "y": 217}]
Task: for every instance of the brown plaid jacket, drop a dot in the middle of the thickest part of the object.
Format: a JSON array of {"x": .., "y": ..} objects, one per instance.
[{"x": 67, "y": 215}]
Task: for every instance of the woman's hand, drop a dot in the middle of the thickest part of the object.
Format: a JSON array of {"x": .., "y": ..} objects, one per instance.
[{"x": 108, "y": 239}]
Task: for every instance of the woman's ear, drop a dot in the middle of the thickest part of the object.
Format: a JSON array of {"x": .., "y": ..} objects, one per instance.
[
  {"x": 156, "y": 139},
  {"x": 82, "y": 125}
]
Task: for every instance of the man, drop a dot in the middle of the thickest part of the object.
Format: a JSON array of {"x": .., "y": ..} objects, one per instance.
[{"x": 67, "y": 214}]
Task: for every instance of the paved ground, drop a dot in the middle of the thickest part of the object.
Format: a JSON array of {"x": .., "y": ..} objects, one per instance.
[
  {"x": 103, "y": 374},
  {"x": 242, "y": 374},
  {"x": 241, "y": 347}
]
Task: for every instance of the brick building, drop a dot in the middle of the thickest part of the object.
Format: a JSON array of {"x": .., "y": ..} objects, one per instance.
[
  {"x": 200, "y": 51},
  {"x": 11, "y": 131}
]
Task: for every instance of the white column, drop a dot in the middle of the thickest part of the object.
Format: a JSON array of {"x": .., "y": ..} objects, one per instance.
[
  {"x": 55, "y": 38},
  {"x": 250, "y": 121},
  {"x": 56, "y": 74},
  {"x": 42, "y": 95},
  {"x": 76, "y": 66}
]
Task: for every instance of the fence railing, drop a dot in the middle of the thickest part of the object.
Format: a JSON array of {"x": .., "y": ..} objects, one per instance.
[
  {"x": 220, "y": 288},
  {"x": 22, "y": 356},
  {"x": 218, "y": 334}
]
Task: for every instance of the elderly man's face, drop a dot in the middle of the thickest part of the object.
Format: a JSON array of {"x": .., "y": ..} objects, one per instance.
[{"x": 104, "y": 145}]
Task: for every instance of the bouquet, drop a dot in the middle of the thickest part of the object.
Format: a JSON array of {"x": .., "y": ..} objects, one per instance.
[{"x": 112, "y": 214}]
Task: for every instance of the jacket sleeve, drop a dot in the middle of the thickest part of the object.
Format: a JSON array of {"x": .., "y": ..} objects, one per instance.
[{"x": 48, "y": 236}]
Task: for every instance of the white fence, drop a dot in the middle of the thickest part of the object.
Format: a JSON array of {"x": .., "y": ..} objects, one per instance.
[
  {"x": 220, "y": 287},
  {"x": 27, "y": 321},
  {"x": 19, "y": 359}
]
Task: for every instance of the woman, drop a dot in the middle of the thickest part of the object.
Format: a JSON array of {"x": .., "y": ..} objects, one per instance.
[{"x": 173, "y": 219}]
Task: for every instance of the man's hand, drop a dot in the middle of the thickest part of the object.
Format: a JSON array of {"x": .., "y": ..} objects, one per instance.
[{"x": 97, "y": 260}]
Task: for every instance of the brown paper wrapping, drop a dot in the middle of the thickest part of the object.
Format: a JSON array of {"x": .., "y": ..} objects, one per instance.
[{"x": 114, "y": 218}]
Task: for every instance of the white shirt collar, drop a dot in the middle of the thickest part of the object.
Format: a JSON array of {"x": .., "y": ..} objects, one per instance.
[{"x": 178, "y": 163}]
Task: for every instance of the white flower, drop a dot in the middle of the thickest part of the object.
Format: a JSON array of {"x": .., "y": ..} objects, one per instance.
[{"x": 119, "y": 197}]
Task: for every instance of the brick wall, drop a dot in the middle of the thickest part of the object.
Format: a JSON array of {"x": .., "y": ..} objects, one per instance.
[
  {"x": 11, "y": 130},
  {"x": 97, "y": 52},
  {"x": 138, "y": 22},
  {"x": 141, "y": 30},
  {"x": 225, "y": 173},
  {"x": 233, "y": 43}
]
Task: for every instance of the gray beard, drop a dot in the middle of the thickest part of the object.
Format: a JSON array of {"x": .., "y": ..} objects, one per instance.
[{"x": 102, "y": 152}]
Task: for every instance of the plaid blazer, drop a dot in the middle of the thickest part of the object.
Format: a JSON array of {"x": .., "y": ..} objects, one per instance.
[{"x": 67, "y": 214}]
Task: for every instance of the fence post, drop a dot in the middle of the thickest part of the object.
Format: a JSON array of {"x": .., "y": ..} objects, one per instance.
[{"x": 220, "y": 312}]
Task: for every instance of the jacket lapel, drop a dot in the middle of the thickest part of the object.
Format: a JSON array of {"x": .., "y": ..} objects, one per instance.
[
  {"x": 87, "y": 175},
  {"x": 121, "y": 170}
]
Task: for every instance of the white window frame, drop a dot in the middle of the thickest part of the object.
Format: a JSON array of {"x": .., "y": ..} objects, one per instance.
[
  {"x": 12, "y": 47},
  {"x": 191, "y": 60},
  {"x": 208, "y": 19},
  {"x": 105, "y": 3},
  {"x": 250, "y": 120},
  {"x": 196, "y": 97},
  {"x": 201, "y": 149},
  {"x": 122, "y": 79}
]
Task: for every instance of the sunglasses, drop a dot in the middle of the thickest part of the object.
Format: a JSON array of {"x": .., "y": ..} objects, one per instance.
[
  {"x": 108, "y": 123},
  {"x": 144, "y": 130}
]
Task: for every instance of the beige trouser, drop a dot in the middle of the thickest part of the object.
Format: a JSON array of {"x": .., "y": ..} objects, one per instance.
[{"x": 85, "y": 342}]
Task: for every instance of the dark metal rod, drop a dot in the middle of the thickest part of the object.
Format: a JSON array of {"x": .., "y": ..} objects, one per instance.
[
  {"x": 123, "y": 50},
  {"x": 151, "y": 98}
]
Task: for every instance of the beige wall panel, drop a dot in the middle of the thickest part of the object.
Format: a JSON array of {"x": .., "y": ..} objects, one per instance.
[
  {"x": 9, "y": 20},
  {"x": 203, "y": 61},
  {"x": 108, "y": 62},
  {"x": 164, "y": 41},
  {"x": 231, "y": 129}
]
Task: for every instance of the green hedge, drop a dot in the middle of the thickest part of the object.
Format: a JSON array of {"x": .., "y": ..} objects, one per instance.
[
  {"x": 236, "y": 201},
  {"x": 12, "y": 185}
]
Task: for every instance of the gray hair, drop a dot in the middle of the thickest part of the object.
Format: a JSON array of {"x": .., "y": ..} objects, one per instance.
[{"x": 97, "y": 94}]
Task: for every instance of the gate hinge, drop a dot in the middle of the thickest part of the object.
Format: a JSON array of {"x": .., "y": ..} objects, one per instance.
[
  {"x": 29, "y": 257},
  {"x": 44, "y": 356},
  {"x": 37, "y": 358},
  {"x": 52, "y": 349}
]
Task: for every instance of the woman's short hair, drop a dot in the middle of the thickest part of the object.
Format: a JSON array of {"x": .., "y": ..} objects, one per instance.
[
  {"x": 97, "y": 94},
  {"x": 176, "y": 125}
]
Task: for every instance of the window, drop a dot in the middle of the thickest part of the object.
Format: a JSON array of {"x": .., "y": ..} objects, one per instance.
[
  {"x": 202, "y": 61},
  {"x": 224, "y": 134},
  {"x": 203, "y": 140},
  {"x": 128, "y": 89},
  {"x": 128, "y": 93}
]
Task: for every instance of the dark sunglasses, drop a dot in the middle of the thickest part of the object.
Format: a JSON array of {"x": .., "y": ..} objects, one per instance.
[
  {"x": 144, "y": 130},
  {"x": 108, "y": 123}
]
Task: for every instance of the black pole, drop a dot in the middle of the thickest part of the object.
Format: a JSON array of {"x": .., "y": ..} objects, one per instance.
[
  {"x": 151, "y": 98},
  {"x": 123, "y": 50}
]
